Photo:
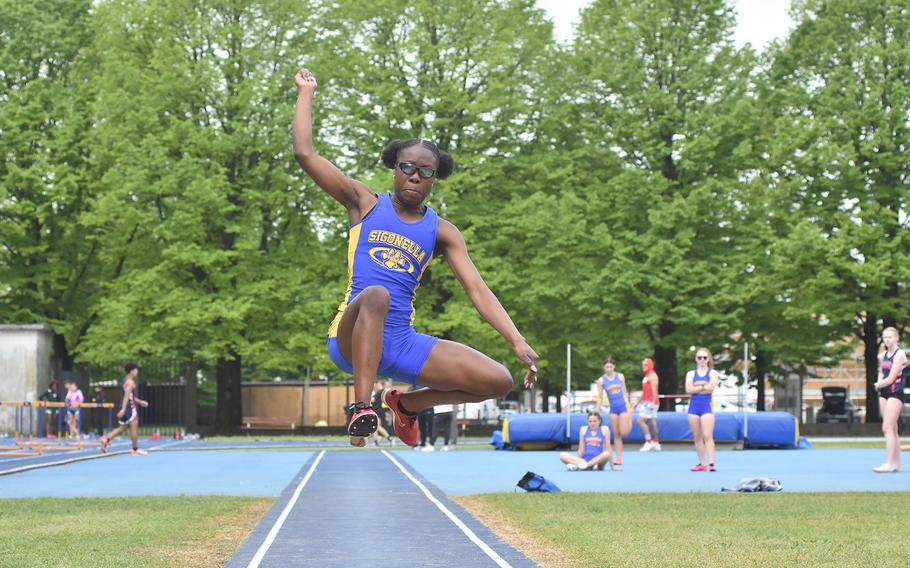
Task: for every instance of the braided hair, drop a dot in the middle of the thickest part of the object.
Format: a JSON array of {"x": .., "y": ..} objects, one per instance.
[{"x": 444, "y": 162}]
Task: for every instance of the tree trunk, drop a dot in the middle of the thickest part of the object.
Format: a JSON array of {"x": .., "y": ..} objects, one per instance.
[
  {"x": 63, "y": 360},
  {"x": 760, "y": 369},
  {"x": 545, "y": 393},
  {"x": 665, "y": 366},
  {"x": 870, "y": 356},
  {"x": 228, "y": 411}
]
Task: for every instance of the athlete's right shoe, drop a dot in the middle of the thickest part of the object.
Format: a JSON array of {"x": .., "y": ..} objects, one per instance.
[
  {"x": 647, "y": 447},
  {"x": 364, "y": 422},
  {"x": 405, "y": 426},
  {"x": 656, "y": 447},
  {"x": 571, "y": 467},
  {"x": 105, "y": 442},
  {"x": 886, "y": 468},
  {"x": 139, "y": 452}
]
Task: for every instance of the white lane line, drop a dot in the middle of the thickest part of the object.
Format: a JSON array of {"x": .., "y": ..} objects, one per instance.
[
  {"x": 166, "y": 445},
  {"x": 74, "y": 459},
  {"x": 270, "y": 538},
  {"x": 464, "y": 528}
]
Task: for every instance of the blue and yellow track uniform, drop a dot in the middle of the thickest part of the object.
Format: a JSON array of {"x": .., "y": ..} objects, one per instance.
[
  {"x": 702, "y": 403},
  {"x": 895, "y": 389},
  {"x": 615, "y": 394},
  {"x": 594, "y": 443},
  {"x": 385, "y": 251}
]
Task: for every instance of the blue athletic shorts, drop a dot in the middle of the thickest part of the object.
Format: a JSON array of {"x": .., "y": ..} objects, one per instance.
[
  {"x": 404, "y": 351},
  {"x": 618, "y": 406},
  {"x": 700, "y": 405},
  {"x": 129, "y": 416}
]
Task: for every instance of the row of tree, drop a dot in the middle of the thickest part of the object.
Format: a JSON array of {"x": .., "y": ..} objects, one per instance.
[{"x": 645, "y": 189}]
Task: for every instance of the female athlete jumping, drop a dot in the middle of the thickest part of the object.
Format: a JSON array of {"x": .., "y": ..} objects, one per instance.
[{"x": 392, "y": 239}]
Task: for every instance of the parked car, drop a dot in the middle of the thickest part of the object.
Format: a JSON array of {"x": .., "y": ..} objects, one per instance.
[{"x": 836, "y": 407}]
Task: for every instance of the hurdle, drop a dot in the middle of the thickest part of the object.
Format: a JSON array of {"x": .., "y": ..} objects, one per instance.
[
  {"x": 35, "y": 443},
  {"x": 21, "y": 447}
]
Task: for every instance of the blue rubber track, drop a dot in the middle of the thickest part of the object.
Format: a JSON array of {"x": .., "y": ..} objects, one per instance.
[
  {"x": 815, "y": 470},
  {"x": 262, "y": 473},
  {"x": 360, "y": 509}
]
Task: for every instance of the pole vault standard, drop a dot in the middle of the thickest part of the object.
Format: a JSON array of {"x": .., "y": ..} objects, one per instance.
[
  {"x": 568, "y": 392},
  {"x": 745, "y": 394}
]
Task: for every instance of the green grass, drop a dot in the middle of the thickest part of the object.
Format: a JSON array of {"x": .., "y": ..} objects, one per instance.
[
  {"x": 148, "y": 532},
  {"x": 863, "y": 444},
  {"x": 716, "y": 530}
]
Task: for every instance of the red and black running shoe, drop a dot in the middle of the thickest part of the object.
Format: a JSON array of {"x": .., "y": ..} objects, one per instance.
[
  {"x": 405, "y": 425},
  {"x": 363, "y": 420}
]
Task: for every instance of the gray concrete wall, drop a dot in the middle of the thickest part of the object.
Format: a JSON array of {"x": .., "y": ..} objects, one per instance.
[{"x": 25, "y": 366}]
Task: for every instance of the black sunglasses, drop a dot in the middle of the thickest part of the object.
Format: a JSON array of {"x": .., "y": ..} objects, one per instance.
[
  {"x": 409, "y": 168},
  {"x": 701, "y": 357}
]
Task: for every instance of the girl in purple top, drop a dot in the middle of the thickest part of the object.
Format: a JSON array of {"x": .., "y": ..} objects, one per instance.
[{"x": 73, "y": 396}]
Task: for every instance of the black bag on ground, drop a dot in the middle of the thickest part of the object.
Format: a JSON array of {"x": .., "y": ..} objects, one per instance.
[{"x": 536, "y": 482}]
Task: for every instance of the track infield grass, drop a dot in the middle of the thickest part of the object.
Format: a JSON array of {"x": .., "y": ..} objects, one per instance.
[
  {"x": 562, "y": 530},
  {"x": 148, "y": 532}
]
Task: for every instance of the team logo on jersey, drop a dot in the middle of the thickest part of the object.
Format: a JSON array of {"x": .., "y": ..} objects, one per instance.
[{"x": 392, "y": 259}]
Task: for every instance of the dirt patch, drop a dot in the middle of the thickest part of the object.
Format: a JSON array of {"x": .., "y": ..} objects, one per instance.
[
  {"x": 538, "y": 550},
  {"x": 217, "y": 540}
]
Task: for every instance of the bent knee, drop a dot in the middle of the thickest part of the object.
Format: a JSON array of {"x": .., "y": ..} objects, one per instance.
[
  {"x": 374, "y": 297},
  {"x": 500, "y": 382}
]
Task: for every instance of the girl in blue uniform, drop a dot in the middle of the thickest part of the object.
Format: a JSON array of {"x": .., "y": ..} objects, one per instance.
[
  {"x": 593, "y": 446},
  {"x": 392, "y": 239},
  {"x": 893, "y": 376},
  {"x": 614, "y": 384},
  {"x": 700, "y": 384}
]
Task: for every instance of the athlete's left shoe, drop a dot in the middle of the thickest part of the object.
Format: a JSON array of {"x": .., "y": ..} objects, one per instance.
[
  {"x": 405, "y": 425},
  {"x": 699, "y": 467},
  {"x": 711, "y": 467},
  {"x": 139, "y": 452},
  {"x": 105, "y": 442},
  {"x": 886, "y": 468}
]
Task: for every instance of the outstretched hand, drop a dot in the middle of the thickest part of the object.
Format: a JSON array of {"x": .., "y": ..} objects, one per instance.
[
  {"x": 305, "y": 81},
  {"x": 529, "y": 357}
]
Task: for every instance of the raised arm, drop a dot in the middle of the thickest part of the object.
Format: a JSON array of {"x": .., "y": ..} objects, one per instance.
[
  {"x": 450, "y": 243},
  {"x": 354, "y": 195}
]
